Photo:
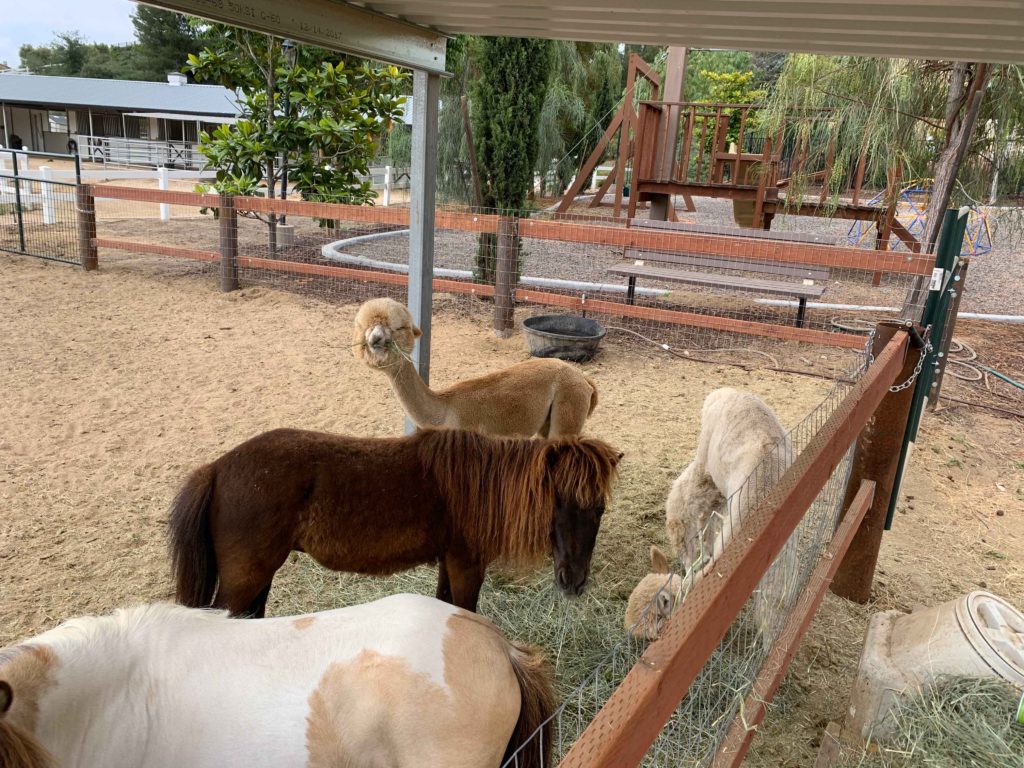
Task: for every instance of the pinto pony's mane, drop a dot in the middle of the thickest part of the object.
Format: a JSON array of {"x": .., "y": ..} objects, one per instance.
[
  {"x": 503, "y": 491},
  {"x": 19, "y": 749}
]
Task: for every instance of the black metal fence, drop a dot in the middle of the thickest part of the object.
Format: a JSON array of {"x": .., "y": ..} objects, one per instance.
[{"x": 38, "y": 214}]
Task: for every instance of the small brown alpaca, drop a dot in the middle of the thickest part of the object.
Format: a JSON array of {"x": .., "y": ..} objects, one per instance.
[{"x": 548, "y": 397}]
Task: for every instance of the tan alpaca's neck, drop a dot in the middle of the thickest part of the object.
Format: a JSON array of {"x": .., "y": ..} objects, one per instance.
[{"x": 420, "y": 402}]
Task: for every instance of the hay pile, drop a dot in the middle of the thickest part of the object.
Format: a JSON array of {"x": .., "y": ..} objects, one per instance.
[{"x": 958, "y": 721}]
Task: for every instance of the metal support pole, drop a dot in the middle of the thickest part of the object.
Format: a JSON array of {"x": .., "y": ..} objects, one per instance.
[
  {"x": 875, "y": 458},
  {"x": 86, "y": 211},
  {"x": 18, "y": 211},
  {"x": 950, "y": 241},
  {"x": 422, "y": 195},
  {"x": 956, "y": 290},
  {"x": 505, "y": 277},
  {"x": 228, "y": 219}
]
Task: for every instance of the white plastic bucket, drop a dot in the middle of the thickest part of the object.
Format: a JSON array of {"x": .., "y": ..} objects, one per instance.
[{"x": 978, "y": 635}]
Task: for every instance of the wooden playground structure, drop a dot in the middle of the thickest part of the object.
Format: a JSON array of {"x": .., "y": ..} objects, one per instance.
[{"x": 690, "y": 149}]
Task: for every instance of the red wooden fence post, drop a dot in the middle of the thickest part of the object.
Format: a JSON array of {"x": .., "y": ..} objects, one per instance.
[
  {"x": 875, "y": 458},
  {"x": 228, "y": 243},
  {"x": 88, "y": 254},
  {"x": 506, "y": 275}
]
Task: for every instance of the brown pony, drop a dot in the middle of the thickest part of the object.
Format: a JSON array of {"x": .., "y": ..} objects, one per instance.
[{"x": 381, "y": 505}]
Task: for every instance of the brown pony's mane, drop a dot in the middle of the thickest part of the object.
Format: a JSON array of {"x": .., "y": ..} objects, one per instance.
[{"x": 502, "y": 491}]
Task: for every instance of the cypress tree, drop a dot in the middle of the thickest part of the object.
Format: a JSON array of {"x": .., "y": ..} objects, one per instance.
[{"x": 507, "y": 100}]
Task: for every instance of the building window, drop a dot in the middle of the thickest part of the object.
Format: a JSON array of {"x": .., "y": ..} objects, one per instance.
[{"x": 58, "y": 121}]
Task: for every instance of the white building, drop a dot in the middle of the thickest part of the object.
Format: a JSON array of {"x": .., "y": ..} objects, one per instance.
[{"x": 122, "y": 122}]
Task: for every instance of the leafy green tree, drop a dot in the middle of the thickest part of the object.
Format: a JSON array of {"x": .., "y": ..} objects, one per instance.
[
  {"x": 580, "y": 102},
  {"x": 912, "y": 113},
  {"x": 507, "y": 101},
  {"x": 165, "y": 40},
  {"x": 454, "y": 162},
  {"x": 324, "y": 119},
  {"x": 65, "y": 56}
]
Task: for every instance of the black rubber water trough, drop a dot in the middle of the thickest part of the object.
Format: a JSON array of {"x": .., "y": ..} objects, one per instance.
[{"x": 567, "y": 337}]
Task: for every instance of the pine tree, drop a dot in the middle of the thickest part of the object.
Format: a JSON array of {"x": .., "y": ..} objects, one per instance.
[{"x": 165, "y": 40}]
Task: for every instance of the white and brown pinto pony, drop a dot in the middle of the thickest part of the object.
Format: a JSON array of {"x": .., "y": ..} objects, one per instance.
[{"x": 403, "y": 681}]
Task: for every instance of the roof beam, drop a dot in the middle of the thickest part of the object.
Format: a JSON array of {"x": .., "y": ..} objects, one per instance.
[{"x": 335, "y": 25}]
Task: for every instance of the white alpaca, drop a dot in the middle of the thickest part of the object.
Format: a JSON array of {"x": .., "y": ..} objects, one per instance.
[
  {"x": 742, "y": 451},
  {"x": 738, "y": 435},
  {"x": 654, "y": 599}
]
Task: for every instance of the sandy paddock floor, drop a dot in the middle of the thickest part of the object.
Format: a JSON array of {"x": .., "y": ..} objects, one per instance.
[{"x": 116, "y": 383}]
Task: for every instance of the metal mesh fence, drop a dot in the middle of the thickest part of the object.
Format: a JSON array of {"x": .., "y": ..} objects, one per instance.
[
  {"x": 37, "y": 213},
  {"x": 694, "y": 290},
  {"x": 699, "y": 724}
]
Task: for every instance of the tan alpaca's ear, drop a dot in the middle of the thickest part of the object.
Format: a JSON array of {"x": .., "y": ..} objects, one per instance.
[
  {"x": 659, "y": 563},
  {"x": 358, "y": 342},
  {"x": 6, "y": 697}
]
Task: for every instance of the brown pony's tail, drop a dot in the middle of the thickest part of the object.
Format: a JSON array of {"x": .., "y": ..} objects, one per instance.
[
  {"x": 193, "y": 561},
  {"x": 538, "y": 704},
  {"x": 593, "y": 395}
]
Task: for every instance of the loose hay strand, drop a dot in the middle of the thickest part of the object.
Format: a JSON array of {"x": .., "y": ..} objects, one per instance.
[{"x": 955, "y": 721}]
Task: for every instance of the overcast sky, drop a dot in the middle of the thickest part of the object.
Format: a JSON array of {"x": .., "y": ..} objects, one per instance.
[{"x": 36, "y": 23}]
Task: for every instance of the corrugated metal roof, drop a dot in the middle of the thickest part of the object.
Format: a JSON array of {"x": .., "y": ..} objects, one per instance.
[
  {"x": 117, "y": 94},
  {"x": 966, "y": 30}
]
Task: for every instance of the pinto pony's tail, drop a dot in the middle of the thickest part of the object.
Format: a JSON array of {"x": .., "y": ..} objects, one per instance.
[
  {"x": 193, "y": 561},
  {"x": 530, "y": 744}
]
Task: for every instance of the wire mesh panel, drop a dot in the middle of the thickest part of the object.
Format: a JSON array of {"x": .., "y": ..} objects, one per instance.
[
  {"x": 37, "y": 212},
  {"x": 698, "y": 726}
]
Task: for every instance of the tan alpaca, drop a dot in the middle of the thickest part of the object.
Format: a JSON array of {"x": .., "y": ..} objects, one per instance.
[
  {"x": 548, "y": 397},
  {"x": 654, "y": 599}
]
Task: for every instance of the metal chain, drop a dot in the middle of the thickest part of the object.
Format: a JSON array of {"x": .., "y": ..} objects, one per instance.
[{"x": 926, "y": 349}]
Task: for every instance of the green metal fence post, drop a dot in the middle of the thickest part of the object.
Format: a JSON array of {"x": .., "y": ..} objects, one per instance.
[{"x": 951, "y": 239}]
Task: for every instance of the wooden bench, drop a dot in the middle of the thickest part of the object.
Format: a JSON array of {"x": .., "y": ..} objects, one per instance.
[{"x": 638, "y": 267}]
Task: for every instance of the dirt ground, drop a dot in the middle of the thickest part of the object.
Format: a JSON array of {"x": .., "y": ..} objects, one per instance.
[{"x": 116, "y": 383}]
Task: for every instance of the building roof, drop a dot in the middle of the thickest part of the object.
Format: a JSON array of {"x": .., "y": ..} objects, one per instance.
[
  {"x": 117, "y": 94},
  {"x": 989, "y": 30}
]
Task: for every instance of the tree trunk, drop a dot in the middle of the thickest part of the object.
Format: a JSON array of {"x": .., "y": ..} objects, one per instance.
[
  {"x": 271, "y": 177},
  {"x": 959, "y": 129}
]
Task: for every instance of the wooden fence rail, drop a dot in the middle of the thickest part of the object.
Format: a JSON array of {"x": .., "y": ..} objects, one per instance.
[
  {"x": 839, "y": 257},
  {"x": 560, "y": 231}
]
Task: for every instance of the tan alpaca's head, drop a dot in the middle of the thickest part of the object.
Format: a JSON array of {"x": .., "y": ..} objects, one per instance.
[
  {"x": 384, "y": 333},
  {"x": 654, "y": 599}
]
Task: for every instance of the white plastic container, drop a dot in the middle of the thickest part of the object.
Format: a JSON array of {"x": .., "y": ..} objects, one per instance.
[{"x": 979, "y": 635}]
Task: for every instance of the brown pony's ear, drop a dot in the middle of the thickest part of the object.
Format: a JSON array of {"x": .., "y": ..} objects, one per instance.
[
  {"x": 6, "y": 697},
  {"x": 659, "y": 563}
]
